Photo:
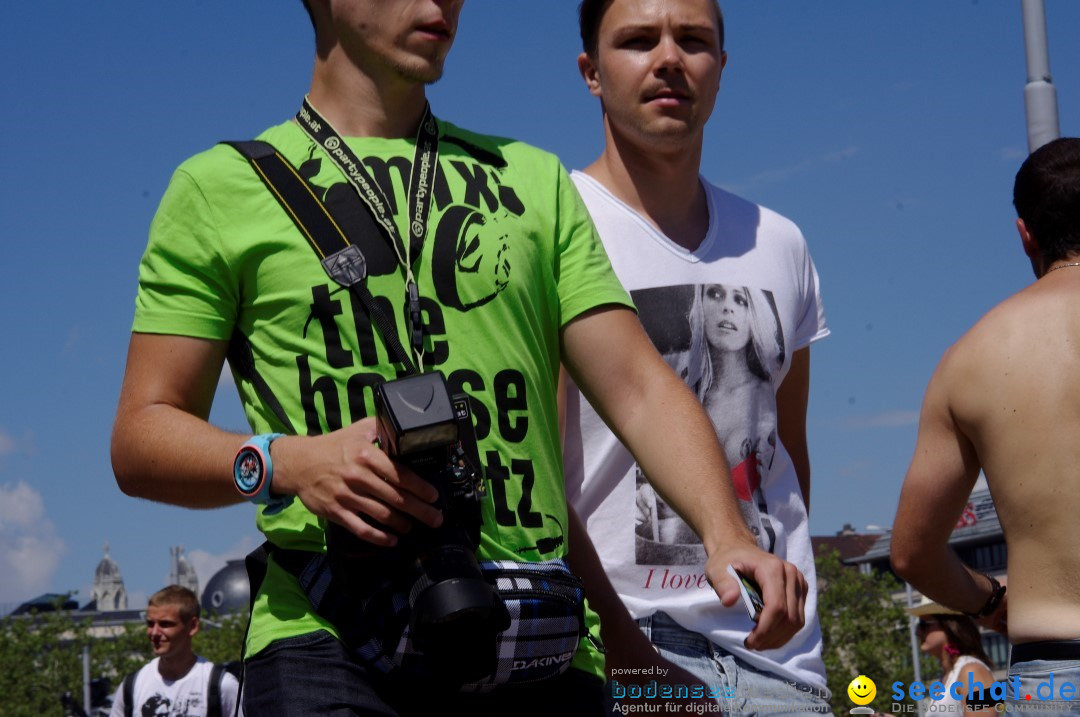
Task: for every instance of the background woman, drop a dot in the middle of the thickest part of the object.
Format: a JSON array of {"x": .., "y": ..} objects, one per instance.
[{"x": 955, "y": 641}]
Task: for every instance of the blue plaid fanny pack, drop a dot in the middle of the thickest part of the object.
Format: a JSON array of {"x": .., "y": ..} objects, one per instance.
[{"x": 545, "y": 601}]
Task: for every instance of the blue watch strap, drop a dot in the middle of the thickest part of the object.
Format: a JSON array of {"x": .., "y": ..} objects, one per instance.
[{"x": 253, "y": 472}]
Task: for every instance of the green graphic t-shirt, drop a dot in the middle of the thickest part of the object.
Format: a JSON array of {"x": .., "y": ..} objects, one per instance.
[{"x": 510, "y": 256}]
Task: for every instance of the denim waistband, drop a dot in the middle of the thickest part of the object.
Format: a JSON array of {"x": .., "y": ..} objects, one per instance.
[
  {"x": 661, "y": 627},
  {"x": 1046, "y": 650}
]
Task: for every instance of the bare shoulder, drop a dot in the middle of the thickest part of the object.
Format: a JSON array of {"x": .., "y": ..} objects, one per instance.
[
  {"x": 1001, "y": 362},
  {"x": 972, "y": 367},
  {"x": 992, "y": 335}
]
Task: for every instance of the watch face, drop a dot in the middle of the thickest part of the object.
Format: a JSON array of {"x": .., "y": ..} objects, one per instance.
[{"x": 248, "y": 471}]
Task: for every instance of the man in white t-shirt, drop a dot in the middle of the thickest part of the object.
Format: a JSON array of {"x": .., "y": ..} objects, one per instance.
[
  {"x": 177, "y": 682},
  {"x": 728, "y": 293}
]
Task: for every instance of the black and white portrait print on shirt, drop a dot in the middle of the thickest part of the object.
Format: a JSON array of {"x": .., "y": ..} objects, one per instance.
[
  {"x": 729, "y": 348},
  {"x": 158, "y": 705}
]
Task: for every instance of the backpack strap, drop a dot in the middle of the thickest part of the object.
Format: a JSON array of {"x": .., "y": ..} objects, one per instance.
[
  {"x": 213, "y": 693},
  {"x": 129, "y": 693}
]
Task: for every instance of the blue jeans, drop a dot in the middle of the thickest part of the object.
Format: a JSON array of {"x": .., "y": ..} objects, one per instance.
[
  {"x": 314, "y": 674},
  {"x": 741, "y": 689},
  {"x": 1051, "y": 676}
]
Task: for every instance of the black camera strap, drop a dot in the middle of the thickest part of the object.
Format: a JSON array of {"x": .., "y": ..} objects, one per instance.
[
  {"x": 242, "y": 361},
  {"x": 340, "y": 258},
  {"x": 421, "y": 179}
]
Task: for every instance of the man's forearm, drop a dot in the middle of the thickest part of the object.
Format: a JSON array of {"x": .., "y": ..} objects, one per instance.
[
  {"x": 164, "y": 454},
  {"x": 661, "y": 422},
  {"x": 942, "y": 576},
  {"x": 792, "y": 400},
  {"x": 686, "y": 466},
  {"x": 666, "y": 429},
  {"x": 163, "y": 448},
  {"x": 618, "y": 629}
]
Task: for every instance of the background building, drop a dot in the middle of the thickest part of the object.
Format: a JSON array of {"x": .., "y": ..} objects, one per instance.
[
  {"x": 182, "y": 573},
  {"x": 226, "y": 592},
  {"x": 977, "y": 539}
]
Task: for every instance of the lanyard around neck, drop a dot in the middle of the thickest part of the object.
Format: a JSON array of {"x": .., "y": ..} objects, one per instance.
[{"x": 421, "y": 180}]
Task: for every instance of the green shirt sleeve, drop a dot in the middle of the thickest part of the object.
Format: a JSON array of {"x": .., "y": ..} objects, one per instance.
[
  {"x": 186, "y": 286},
  {"x": 583, "y": 272}
]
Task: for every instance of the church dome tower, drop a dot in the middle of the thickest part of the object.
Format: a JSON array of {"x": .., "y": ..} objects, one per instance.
[
  {"x": 108, "y": 593},
  {"x": 183, "y": 573}
]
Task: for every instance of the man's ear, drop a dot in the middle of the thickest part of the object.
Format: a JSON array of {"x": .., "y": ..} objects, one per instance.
[
  {"x": 1031, "y": 248},
  {"x": 194, "y": 626},
  {"x": 1030, "y": 244},
  {"x": 589, "y": 73}
]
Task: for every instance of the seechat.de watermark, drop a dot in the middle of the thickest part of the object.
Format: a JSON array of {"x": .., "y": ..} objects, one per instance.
[{"x": 1048, "y": 694}]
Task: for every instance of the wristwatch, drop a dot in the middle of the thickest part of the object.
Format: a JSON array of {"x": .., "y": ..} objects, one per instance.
[{"x": 253, "y": 472}]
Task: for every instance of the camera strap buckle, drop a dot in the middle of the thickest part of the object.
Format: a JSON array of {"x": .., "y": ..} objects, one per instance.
[{"x": 347, "y": 267}]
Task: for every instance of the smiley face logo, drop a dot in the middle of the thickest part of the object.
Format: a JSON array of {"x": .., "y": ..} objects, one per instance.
[{"x": 862, "y": 690}]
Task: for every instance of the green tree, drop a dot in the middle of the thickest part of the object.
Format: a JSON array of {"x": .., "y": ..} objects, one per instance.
[
  {"x": 864, "y": 631},
  {"x": 40, "y": 658},
  {"x": 125, "y": 650},
  {"x": 221, "y": 638},
  {"x": 28, "y": 668}
]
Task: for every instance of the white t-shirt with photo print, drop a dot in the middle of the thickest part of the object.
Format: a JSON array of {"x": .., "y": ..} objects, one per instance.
[{"x": 727, "y": 317}]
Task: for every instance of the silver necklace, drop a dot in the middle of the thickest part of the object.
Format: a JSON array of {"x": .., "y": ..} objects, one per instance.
[{"x": 1075, "y": 263}]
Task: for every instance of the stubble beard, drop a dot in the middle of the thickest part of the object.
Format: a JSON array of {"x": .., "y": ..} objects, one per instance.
[
  {"x": 652, "y": 136},
  {"x": 424, "y": 72},
  {"x": 650, "y": 132}
]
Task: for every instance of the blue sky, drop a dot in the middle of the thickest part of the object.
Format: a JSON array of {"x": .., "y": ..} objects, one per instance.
[{"x": 889, "y": 131}]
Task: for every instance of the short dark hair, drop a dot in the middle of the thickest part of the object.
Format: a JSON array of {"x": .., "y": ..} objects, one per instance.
[
  {"x": 179, "y": 596},
  {"x": 591, "y": 13},
  {"x": 1047, "y": 197}
]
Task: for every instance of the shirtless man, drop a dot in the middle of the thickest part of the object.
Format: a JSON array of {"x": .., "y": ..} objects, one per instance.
[{"x": 1006, "y": 399}]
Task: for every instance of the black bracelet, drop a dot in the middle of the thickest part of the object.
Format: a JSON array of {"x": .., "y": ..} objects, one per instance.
[{"x": 997, "y": 593}]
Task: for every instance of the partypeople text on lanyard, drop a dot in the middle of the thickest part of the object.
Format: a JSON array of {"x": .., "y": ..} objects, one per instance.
[{"x": 421, "y": 179}]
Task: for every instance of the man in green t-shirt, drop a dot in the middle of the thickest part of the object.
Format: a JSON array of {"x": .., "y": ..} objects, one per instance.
[{"x": 507, "y": 279}]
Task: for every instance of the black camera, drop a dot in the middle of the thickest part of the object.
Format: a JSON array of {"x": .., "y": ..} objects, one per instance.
[{"x": 455, "y": 614}]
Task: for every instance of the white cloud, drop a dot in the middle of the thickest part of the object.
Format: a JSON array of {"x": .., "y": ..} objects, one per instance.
[
  {"x": 841, "y": 154},
  {"x": 773, "y": 176},
  {"x": 74, "y": 338},
  {"x": 11, "y": 445},
  {"x": 1013, "y": 154},
  {"x": 30, "y": 549},
  {"x": 7, "y": 444},
  {"x": 206, "y": 564}
]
